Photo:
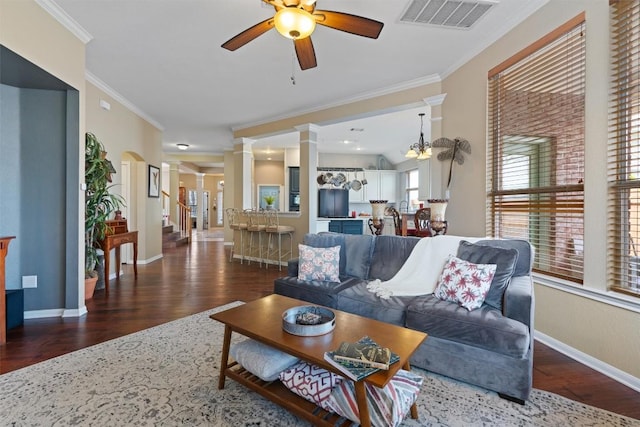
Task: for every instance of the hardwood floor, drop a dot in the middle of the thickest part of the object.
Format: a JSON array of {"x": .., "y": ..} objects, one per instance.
[{"x": 194, "y": 278}]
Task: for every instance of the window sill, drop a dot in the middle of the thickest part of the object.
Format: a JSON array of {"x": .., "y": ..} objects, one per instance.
[{"x": 615, "y": 299}]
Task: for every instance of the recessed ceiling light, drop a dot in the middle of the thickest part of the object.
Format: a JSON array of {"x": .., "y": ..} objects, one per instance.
[
  {"x": 182, "y": 146},
  {"x": 346, "y": 141}
]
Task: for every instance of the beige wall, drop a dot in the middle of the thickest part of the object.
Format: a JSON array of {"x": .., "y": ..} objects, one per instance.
[
  {"x": 28, "y": 30},
  {"x": 128, "y": 137},
  {"x": 268, "y": 172},
  {"x": 600, "y": 330}
]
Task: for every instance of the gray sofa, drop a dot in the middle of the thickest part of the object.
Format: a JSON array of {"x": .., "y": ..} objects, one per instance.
[{"x": 487, "y": 347}]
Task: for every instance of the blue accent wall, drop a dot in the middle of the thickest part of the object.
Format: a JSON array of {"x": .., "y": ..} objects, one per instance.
[{"x": 39, "y": 183}]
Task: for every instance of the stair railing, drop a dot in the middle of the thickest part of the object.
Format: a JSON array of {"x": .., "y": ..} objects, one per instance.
[
  {"x": 184, "y": 215},
  {"x": 166, "y": 208}
]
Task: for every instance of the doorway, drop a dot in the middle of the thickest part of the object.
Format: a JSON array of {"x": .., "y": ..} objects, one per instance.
[{"x": 205, "y": 210}]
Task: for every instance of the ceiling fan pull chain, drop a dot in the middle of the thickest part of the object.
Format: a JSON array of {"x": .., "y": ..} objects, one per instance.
[{"x": 293, "y": 64}]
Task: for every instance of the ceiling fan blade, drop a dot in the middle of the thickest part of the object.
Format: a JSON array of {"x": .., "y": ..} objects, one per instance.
[
  {"x": 353, "y": 24},
  {"x": 305, "y": 52},
  {"x": 249, "y": 34}
]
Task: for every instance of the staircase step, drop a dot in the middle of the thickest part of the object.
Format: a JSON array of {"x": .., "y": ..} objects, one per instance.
[
  {"x": 166, "y": 229},
  {"x": 175, "y": 242},
  {"x": 173, "y": 239}
]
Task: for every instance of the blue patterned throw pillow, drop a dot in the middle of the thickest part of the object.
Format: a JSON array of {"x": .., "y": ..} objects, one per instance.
[{"x": 319, "y": 263}]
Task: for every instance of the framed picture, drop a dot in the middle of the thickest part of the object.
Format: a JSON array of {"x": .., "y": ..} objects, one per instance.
[{"x": 154, "y": 181}]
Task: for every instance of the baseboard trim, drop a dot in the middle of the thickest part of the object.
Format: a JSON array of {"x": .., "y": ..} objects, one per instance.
[
  {"x": 76, "y": 312},
  {"x": 41, "y": 314},
  {"x": 590, "y": 361},
  {"x": 150, "y": 260}
]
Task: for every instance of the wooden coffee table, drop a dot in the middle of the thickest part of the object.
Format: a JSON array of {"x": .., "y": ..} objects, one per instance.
[{"x": 261, "y": 320}]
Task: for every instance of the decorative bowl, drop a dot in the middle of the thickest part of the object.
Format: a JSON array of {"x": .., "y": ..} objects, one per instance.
[{"x": 308, "y": 320}]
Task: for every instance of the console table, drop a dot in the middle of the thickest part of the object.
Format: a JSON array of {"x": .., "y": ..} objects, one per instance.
[
  {"x": 118, "y": 236},
  {"x": 4, "y": 249}
]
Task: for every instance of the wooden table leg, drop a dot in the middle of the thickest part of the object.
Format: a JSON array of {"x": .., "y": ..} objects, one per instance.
[
  {"x": 225, "y": 356},
  {"x": 135, "y": 258},
  {"x": 414, "y": 407},
  {"x": 117, "y": 251},
  {"x": 107, "y": 261},
  {"x": 361, "y": 399}
]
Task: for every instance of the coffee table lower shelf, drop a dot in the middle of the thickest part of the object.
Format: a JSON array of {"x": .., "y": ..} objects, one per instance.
[{"x": 276, "y": 392}]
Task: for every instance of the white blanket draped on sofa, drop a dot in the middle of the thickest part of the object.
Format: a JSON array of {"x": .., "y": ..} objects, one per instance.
[{"x": 420, "y": 273}]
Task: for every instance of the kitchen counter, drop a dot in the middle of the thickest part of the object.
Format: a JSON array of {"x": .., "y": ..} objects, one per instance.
[{"x": 362, "y": 218}]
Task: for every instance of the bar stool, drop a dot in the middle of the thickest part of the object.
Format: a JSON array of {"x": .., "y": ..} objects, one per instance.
[
  {"x": 274, "y": 229},
  {"x": 232, "y": 222},
  {"x": 256, "y": 226},
  {"x": 237, "y": 222}
]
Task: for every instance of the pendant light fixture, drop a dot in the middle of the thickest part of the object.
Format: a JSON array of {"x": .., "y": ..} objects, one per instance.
[{"x": 421, "y": 150}]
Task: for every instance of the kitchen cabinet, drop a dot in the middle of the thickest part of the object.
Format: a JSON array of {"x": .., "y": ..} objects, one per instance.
[
  {"x": 381, "y": 185},
  {"x": 346, "y": 226},
  {"x": 388, "y": 186},
  {"x": 294, "y": 179}
]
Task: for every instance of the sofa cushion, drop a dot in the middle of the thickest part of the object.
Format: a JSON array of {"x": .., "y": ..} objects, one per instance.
[
  {"x": 389, "y": 254},
  {"x": 355, "y": 250},
  {"x": 358, "y": 251},
  {"x": 525, "y": 253},
  {"x": 359, "y": 300},
  {"x": 315, "y": 291},
  {"x": 505, "y": 261},
  {"x": 485, "y": 327},
  {"x": 319, "y": 263},
  {"x": 464, "y": 282}
]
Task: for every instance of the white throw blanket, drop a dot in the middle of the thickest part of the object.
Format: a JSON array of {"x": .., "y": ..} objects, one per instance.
[{"x": 420, "y": 273}]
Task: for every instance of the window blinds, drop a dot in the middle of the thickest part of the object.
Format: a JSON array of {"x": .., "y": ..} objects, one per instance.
[
  {"x": 535, "y": 158},
  {"x": 624, "y": 150}
]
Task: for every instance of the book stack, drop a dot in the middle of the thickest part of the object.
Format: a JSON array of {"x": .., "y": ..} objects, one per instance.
[{"x": 360, "y": 359}]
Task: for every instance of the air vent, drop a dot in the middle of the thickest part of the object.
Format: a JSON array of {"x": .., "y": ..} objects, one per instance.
[{"x": 446, "y": 13}]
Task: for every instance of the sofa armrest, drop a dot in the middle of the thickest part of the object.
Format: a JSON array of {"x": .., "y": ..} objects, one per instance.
[
  {"x": 292, "y": 267},
  {"x": 519, "y": 301}
]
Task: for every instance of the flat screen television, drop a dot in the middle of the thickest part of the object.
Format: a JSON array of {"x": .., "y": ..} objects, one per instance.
[{"x": 333, "y": 203}]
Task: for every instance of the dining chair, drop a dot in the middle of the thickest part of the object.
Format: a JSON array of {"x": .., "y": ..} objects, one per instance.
[{"x": 421, "y": 220}]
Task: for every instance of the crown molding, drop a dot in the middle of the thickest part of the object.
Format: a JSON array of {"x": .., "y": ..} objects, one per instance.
[
  {"x": 65, "y": 19},
  {"x": 91, "y": 78},
  {"x": 410, "y": 84},
  {"x": 434, "y": 101}
]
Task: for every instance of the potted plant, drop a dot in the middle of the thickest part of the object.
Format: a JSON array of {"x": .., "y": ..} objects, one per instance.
[
  {"x": 269, "y": 200},
  {"x": 99, "y": 205}
]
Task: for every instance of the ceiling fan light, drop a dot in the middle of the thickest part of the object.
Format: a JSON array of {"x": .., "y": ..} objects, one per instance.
[{"x": 294, "y": 23}]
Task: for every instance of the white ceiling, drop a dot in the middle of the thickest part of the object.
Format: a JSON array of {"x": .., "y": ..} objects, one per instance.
[{"x": 164, "y": 58}]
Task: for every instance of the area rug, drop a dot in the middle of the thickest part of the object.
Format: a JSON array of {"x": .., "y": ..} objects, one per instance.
[{"x": 167, "y": 376}]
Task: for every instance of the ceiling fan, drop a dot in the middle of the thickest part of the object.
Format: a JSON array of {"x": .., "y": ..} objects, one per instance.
[{"x": 296, "y": 19}]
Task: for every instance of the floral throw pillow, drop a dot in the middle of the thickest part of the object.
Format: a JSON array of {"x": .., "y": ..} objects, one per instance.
[
  {"x": 319, "y": 263},
  {"x": 464, "y": 282}
]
